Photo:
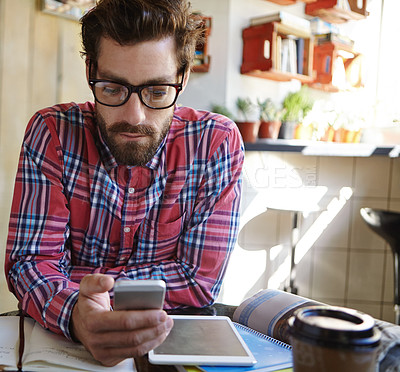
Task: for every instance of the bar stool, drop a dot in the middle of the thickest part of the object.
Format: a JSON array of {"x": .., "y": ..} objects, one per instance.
[
  {"x": 299, "y": 202},
  {"x": 387, "y": 225},
  {"x": 297, "y": 213}
]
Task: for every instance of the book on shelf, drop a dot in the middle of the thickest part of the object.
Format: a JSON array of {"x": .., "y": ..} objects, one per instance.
[
  {"x": 300, "y": 55},
  {"x": 332, "y": 37},
  {"x": 46, "y": 351},
  {"x": 319, "y": 26},
  {"x": 287, "y": 50},
  {"x": 199, "y": 57},
  {"x": 285, "y": 18},
  {"x": 344, "y": 5},
  {"x": 278, "y": 53},
  {"x": 292, "y": 67},
  {"x": 285, "y": 56},
  {"x": 262, "y": 322},
  {"x": 289, "y": 56}
]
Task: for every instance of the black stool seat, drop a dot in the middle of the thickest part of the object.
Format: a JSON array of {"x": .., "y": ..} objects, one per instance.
[{"x": 387, "y": 225}]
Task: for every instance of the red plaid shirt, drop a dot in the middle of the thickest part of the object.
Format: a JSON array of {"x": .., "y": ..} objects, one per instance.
[{"x": 76, "y": 211}]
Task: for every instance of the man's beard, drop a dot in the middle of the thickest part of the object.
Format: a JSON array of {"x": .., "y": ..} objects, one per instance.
[{"x": 132, "y": 153}]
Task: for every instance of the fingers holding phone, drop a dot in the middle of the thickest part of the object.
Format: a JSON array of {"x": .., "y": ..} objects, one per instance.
[
  {"x": 147, "y": 295},
  {"x": 112, "y": 336}
]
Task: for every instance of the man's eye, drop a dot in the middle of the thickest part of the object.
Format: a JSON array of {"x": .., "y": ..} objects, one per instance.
[
  {"x": 158, "y": 92},
  {"x": 112, "y": 90}
]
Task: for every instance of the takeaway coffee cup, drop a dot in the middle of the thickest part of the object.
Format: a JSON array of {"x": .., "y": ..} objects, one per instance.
[{"x": 332, "y": 339}]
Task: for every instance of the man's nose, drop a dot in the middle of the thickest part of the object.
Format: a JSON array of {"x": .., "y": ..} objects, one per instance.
[{"x": 134, "y": 110}]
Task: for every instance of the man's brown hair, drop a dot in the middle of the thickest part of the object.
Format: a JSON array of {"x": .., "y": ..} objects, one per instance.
[{"x": 132, "y": 21}]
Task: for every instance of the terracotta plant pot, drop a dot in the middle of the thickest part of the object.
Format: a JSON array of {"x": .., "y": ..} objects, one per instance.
[
  {"x": 269, "y": 129},
  {"x": 328, "y": 135},
  {"x": 347, "y": 136},
  {"x": 248, "y": 130}
]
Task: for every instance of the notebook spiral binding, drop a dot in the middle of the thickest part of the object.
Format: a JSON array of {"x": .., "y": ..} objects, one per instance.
[{"x": 262, "y": 335}]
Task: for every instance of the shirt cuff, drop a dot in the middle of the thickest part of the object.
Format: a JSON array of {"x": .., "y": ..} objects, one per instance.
[{"x": 57, "y": 315}]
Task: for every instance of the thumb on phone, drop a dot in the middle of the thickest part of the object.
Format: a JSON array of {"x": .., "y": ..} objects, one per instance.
[{"x": 96, "y": 283}]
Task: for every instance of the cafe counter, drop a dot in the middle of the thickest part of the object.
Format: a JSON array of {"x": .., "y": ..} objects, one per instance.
[{"x": 319, "y": 148}]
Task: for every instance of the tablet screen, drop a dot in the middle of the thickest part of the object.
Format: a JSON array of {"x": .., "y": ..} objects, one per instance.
[{"x": 207, "y": 340}]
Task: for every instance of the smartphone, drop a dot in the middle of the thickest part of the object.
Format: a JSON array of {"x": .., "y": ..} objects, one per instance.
[{"x": 139, "y": 294}]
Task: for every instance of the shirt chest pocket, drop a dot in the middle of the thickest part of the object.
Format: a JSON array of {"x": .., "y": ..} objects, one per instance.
[{"x": 157, "y": 241}]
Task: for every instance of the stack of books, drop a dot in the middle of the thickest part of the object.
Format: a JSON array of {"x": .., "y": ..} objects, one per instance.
[{"x": 295, "y": 22}]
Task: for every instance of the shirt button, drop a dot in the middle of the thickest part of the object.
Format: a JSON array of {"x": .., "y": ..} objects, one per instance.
[
  {"x": 131, "y": 190},
  {"x": 127, "y": 229}
]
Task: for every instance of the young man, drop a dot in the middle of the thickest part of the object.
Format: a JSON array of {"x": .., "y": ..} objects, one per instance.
[{"x": 130, "y": 187}]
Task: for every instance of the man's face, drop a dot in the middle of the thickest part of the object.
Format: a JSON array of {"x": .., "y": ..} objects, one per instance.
[{"x": 133, "y": 131}]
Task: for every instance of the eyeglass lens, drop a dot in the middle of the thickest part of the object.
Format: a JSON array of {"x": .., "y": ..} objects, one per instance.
[{"x": 114, "y": 94}]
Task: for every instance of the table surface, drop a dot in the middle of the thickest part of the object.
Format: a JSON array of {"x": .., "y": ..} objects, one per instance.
[
  {"x": 142, "y": 363},
  {"x": 390, "y": 341}
]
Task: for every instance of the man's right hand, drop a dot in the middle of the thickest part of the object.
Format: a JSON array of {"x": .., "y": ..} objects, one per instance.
[{"x": 112, "y": 336}]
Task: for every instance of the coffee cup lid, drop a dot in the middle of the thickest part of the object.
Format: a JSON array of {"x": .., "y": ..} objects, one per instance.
[{"x": 334, "y": 326}]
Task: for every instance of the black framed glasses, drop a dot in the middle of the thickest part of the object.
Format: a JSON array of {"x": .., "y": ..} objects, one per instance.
[{"x": 154, "y": 96}]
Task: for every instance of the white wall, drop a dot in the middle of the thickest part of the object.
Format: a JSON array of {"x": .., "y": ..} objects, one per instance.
[
  {"x": 205, "y": 88},
  {"x": 242, "y": 85},
  {"x": 224, "y": 83}
]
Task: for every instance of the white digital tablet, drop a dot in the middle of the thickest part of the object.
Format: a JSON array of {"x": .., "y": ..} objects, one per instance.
[{"x": 203, "y": 340}]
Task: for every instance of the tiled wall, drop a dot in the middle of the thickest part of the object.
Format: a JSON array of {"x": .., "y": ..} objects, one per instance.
[{"x": 348, "y": 264}]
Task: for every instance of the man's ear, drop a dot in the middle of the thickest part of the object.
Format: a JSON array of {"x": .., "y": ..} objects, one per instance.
[
  {"x": 87, "y": 63},
  {"x": 185, "y": 79}
]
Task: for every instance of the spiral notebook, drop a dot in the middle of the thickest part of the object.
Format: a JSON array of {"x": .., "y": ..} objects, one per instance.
[{"x": 271, "y": 354}]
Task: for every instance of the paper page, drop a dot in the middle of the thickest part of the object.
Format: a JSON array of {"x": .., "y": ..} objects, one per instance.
[
  {"x": 268, "y": 310},
  {"x": 9, "y": 336},
  {"x": 49, "y": 349}
]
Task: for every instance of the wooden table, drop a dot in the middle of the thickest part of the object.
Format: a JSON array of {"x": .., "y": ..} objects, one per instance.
[{"x": 142, "y": 363}]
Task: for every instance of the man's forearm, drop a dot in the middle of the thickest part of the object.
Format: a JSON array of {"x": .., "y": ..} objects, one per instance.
[
  {"x": 49, "y": 298},
  {"x": 184, "y": 287}
]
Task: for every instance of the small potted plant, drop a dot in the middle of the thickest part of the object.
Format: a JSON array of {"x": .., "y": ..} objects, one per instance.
[
  {"x": 247, "y": 121},
  {"x": 270, "y": 119},
  {"x": 296, "y": 105},
  {"x": 221, "y": 109}
]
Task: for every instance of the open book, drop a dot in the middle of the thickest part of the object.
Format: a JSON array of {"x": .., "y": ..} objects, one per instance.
[
  {"x": 268, "y": 311},
  {"x": 46, "y": 351}
]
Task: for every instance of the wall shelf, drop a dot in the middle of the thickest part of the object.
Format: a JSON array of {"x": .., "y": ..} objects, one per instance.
[
  {"x": 263, "y": 52},
  {"x": 277, "y": 75},
  {"x": 283, "y": 2},
  {"x": 289, "y": 2},
  {"x": 330, "y": 12},
  {"x": 337, "y": 67},
  {"x": 202, "y": 59}
]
